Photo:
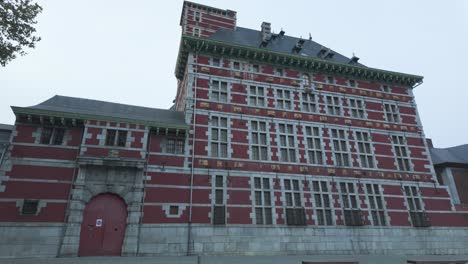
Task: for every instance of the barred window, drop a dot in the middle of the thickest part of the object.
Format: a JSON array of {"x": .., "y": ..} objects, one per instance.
[
  {"x": 323, "y": 205},
  {"x": 259, "y": 140},
  {"x": 401, "y": 153},
  {"x": 263, "y": 201},
  {"x": 314, "y": 145},
  {"x": 219, "y": 136},
  {"x": 287, "y": 142},
  {"x": 219, "y": 91},
  {"x": 364, "y": 148},
  {"x": 333, "y": 105},
  {"x": 376, "y": 204},
  {"x": 175, "y": 146},
  {"x": 309, "y": 102},
  {"x": 52, "y": 135},
  {"x": 257, "y": 96},
  {"x": 340, "y": 147},
  {"x": 283, "y": 99},
  {"x": 356, "y": 108},
  {"x": 391, "y": 113},
  {"x": 116, "y": 137}
]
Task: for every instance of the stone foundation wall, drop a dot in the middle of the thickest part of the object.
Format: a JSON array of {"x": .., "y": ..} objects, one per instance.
[{"x": 29, "y": 239}]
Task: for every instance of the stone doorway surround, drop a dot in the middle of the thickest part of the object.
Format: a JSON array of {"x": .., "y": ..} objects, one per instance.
[{"x": 104, "y": 175}]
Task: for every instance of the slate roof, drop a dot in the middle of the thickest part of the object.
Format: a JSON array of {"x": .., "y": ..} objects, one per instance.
[
  {"x": 284, "y": 44},
  {"x": 6, "y": 127},
  {"x": 453, "y": 155},
  {"x": 81, "y": 106}
]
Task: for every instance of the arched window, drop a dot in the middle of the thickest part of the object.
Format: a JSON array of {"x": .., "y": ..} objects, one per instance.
[{"x": 306, "y": 80}]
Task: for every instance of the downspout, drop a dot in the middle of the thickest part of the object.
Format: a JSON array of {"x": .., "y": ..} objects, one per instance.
[
  {"x": 189, "y": 229},
  {"x": 145, "y": 174},
  {"x": 67, "y": 212}
]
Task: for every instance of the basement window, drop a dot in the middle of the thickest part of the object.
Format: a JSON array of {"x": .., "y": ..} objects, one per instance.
[
  {"x": 29, "y": 207},
  {"x": 52, "y": 135},
  {"x": 116, "y": 137}
]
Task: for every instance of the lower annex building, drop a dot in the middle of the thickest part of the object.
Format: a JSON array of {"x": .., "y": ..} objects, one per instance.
[{"x": 275, "y": 145}]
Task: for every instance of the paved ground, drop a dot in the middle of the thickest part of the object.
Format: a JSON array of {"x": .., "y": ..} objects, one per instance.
[{"x": 363, "y": 259}]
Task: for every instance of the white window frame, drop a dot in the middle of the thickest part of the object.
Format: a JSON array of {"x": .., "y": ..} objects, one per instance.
[
  {"x": 197, "y": 16},
  {"x": 309, "y": 102},
  {"x": 214, "y": 59},
  {"x": 365, "y": 149},
  {"x": 263, "y": 200},
  {"x": 283, "y": 102},
  {"x": 340, "y": 147},
  {"x": 259, "y": 99},
  {"x": 325, "y": 215},
  {"x": 314, "y": 144},
  {"x": 218, "y": 92},
  {"x": 196, "y": 32},
  {"x": 256, "y": 144},
  {"x": 217, "y": 127},
  {"x": 401, "y": 151},
  {"x": 392, "y": 113},
  {"x": 377, "y": 207},
  {"x": 285, "y": 146},
  {"x": 333, "y": 105},
  {"x": 357, "y": 108}
]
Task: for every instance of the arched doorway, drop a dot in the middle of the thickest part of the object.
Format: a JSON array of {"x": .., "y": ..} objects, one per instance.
[{"x": 103, "y": 226}]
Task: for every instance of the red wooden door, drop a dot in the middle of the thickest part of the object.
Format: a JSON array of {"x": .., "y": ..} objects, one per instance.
[{"x": 103, "y": 226}]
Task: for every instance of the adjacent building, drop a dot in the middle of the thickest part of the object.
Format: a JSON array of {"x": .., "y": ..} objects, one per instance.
[{"x": 275, "y": 145}]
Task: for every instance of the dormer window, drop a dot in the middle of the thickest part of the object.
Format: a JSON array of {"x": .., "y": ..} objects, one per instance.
[
  {"x": 197, "y": 16},
  {"x": 116, "y": 138},
  {"x": 52, "y": 135}
]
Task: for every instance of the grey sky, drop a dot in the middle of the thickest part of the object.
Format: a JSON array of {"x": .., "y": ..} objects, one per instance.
[{"x": 125, "y": 51}]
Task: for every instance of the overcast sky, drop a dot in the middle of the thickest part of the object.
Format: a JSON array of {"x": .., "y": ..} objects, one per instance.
[{"x": 125, "y": 51}]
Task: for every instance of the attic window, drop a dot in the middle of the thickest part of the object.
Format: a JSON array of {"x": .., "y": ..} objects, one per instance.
[
  {"x": 52, "y": 135},
  {"x": 29, "y": 207},
  {"x": 116, "y": 137},
  {"x": 197, "y": 16}
]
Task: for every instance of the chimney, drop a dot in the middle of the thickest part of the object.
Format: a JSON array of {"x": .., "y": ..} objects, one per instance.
[{"x": 266, "y": 31}]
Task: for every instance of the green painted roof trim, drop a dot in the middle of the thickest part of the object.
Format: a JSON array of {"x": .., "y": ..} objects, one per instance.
[
  {"x": 32, "y": 111},
  {"x": 220, "y": 48}
]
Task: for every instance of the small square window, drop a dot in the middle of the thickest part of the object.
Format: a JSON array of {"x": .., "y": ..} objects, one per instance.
[
  {"x": 352, "y": 83},
  {"x": 256, "y": 68},
  {"x": 174, "y": 210},
  {"x": 236, "y": 65},
  {"x": 29, "y": 207},
  {"x": 279, "y": 72},
  {"x": 330, "y": 80},
  {"x": 216, "y": 62},
  {"x": 386, "y": 89}
]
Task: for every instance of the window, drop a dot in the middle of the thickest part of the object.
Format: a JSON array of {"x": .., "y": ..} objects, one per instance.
[
  {"x": 219, "y": 91},
  {"x": 216, "y": 62},
  {"x": 29, "y": 207},
  {"x": 295, "y": 214},
  {"x": 333, "y": 105},
  {"x": 175, "y": 146},
  {"x": 314, "y": 145},
  {"x": 279, "y": 72},
  {"x": 219, "y": 136},
  {"x": 174, "y": 210},
  {"x": 196, "y": 32},
  {"x": 376, "y": 205},
  {"x": 197, "y": 16},
  {"x": 364, "y": 149},
  {"x": 256, "y": 68},
  {"x": 340, "y": 147},
  {"x": 414, "y": 202},
  {"x": 283, "y": 99},
  {"x": 352, "y": 83},
  {"x": 330, "y": 80},
  {"x": 349, "y": 201},
  {"x": 259, "y": 140},
  {"x": 401, "y": 153},
  {"x": 116, "y": 138},
  {"x": 262, "y": 201},
  {"x": 386, "y": 89},
  {"x": 306, "y": 80},
  {"x": 309, "y": 102},
  {"x": 356, "y": 108},
  {"x": 52, "y": 135},
  {"x": 287, "y": 143},
  {"x": 323, "y": 207},
  {"x": 257, "y": 96},
  {"x": 236, "y": 65},
  {"x": 391, "y": 113},
  {"x": 219, "y": 208}
]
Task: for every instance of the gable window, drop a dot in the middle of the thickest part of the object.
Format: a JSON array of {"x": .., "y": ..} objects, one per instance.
[
  {"x": 283, "y": 99},
  {"x": 333, "y": 104},
  {"x": 52, "y": 135},
  {"x": 259, "y": 140},
  {"x": 364, "y": 149},
  {"x": 219, "y": 208},
  {"x": 287, "y": 143},
  {"x": 197, "y": 16},
  {"x": 262, "y": 201},
  {"x": 309, "y": 102},
  {"x": 391, "y": 113},
  {"x": 196, "y": 32},
  {"x": 116, "y": 138},
  {"x": 340, "y": 147},
  {"x": 356, "y": 108},
  {"x": 219, "y": 91},
  {"x": 323, "y": 206},
  {"x": 377, "y": 210},
  {"x": 219, "y": 136},
  {"x": 257, "y": 96},
  {"x": 295, "y": 213},
  {"x": 314, "y": 145},
  {"x": 216, "y": 62},
  {"x": 349, "y": 200},
  {"x": 418, "y": 216},
  {"x": 175, "y": 146},
  {"x": 401, "y": 153}
]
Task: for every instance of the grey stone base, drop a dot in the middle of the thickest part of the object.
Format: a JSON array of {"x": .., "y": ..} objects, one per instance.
[{"x": 29, "y": 239}]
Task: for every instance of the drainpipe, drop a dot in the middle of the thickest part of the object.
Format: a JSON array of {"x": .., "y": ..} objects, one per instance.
[
  {"x": 145, "y": 174},
  {"x": 189, "y": 229}
]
